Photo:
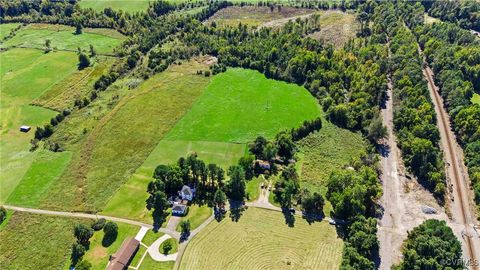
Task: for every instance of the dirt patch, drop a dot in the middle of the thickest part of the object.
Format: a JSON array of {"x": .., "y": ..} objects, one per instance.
[
  {"x": 255, "y": 16},
  {"x": 336, "y": 27}
]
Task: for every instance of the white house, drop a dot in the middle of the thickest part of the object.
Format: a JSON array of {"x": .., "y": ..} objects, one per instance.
[
  {"x": 187, "y": 193},
  {"x": 179, "y": 209}
]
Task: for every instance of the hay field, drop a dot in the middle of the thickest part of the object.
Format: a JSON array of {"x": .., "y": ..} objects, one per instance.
[{"x": 262, "y": 240}]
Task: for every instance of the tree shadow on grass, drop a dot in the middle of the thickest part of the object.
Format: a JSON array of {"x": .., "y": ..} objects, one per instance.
[
  {"x": 236, "y": 210},
  {"x": 109, "y": 239},
  {"x": 289, "y": 217},
  {"x": 158, "y": 219},
  {"x": 312, "y": 218}
]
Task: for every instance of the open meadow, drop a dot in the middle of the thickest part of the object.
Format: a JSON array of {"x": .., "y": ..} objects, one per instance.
[
  {"x": 34, "y": 84},
  {"x": 130, "y": 6},
  {"x": 37, "y": 241},
  {"x": 6, "y": 29},
  {"x": 336, "y": 27},
  {"x": 255, "y": 15},
  {"x": 262, "y": 240},
  {"x": 235, "y": 107},
  {"x": 64, "y": 38}
]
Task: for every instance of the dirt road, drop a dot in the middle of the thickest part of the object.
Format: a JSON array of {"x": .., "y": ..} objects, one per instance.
[
  {"x": 402, "y": 199},
  {"x": 463, "y": 213}
]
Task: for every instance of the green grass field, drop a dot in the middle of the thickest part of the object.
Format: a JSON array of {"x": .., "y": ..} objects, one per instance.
[
  {"x": 130, "y": 6},
  {"x": 149, "y": 264},
  {"x": 44, "y": 171},
  {"x": 98, "y": 255},
  {"x": 262, "y": 240},
  {"x": 36, "y": 242},
  {"x": 197, "y": 215},
  {"x": 217, "y": 128},
  {"x": 240, "y": 105},
  {"x": 123, "y": 137},
  {"x": 25, "y": 74},
  {"x": 63, "y": 38},
  {"x": 6, "y": 28},
  {"x": 476, "y": 98}
]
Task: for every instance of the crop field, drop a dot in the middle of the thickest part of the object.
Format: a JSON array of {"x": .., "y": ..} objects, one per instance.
[
  {"x": 254, "y": 16},
  {"x": 262, "y": 240},
  {"x": 476, "y": 98},
  {"x": 98, "y": 253},
  {"x": 26, "y": 74},
  {"x": 63, "y": 38},
  {"x": 6, "y": 28},
  {"x": 236, "y": 106},
  {"x": 24, "y": 244},
  {"x": 336, "y": 27}
]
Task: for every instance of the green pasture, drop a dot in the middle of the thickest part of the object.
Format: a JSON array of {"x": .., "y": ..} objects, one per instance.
[
  {"x": 37, "y": 241},
  {"x": 44, "y": 170},
  {"x": 6, "y": 28},
  {"x": 25, "y": 74},
  {"x": 261, "y": 240},
  {"x": 253, "y": 188},
  {"x": 130, "y": 6},
  {"x": 63, "y": 38},
  {"x": 240, "y": 105}
]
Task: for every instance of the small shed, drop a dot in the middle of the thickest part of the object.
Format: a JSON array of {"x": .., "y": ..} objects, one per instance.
[
  {"x": 263, "y": 164},
  {"x": 25, "y": 128},
  {"x": 179, "y": 209}
]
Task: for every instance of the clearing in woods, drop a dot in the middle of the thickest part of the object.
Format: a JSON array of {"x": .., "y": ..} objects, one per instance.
[
  {"x": 234, "y": 109},
  {"x": 336, "y": 27},
  {"x": 254, "y": 15},
  {"x": 130, "y": 6},
  {"x": 261, "y": 240}
]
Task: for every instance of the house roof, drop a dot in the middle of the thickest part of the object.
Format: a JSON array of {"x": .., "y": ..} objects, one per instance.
[
  {"x": 179, "y": 207},
  {"x": 186, "y": 190},
  {"x": 123, "y": 256}
]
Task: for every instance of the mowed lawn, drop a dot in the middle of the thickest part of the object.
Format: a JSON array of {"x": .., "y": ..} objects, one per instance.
[
  {"x": 235, "y": 108},
  {"x": 37, "y": 241},
  {"x": 241, "y": 104},
  {"x": 99, "y": 253},
  {"x": 262, "y": 240},
  {"x": 130, "y": 6},
  {"x": 25, "y": 74},
  {"x": 63, "y": 38}
]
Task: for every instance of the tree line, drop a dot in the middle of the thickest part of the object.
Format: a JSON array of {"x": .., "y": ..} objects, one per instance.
[{"x": 465, "y": 14}]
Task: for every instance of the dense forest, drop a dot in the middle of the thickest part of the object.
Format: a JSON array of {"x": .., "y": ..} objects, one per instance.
[{"x": 465, "y": 14}]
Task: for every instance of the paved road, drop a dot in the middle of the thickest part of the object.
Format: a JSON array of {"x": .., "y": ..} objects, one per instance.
[{"x": 462, "y": 199}]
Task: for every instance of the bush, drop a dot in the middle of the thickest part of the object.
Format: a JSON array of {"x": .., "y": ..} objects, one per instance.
[
  {"x": 166, "y": 247},
  {"x": 83, "y": 265},
  {"x": 111, "y": 231},
  {"x": 78, "y": 251},
  {"x": 3, "y": 214},
  {"x": 98, "y": 224}
]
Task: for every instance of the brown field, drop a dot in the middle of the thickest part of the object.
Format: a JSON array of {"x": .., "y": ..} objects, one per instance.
[
  {"x": 337, "y": 27},
  {"x": 255, "y": 16}
]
